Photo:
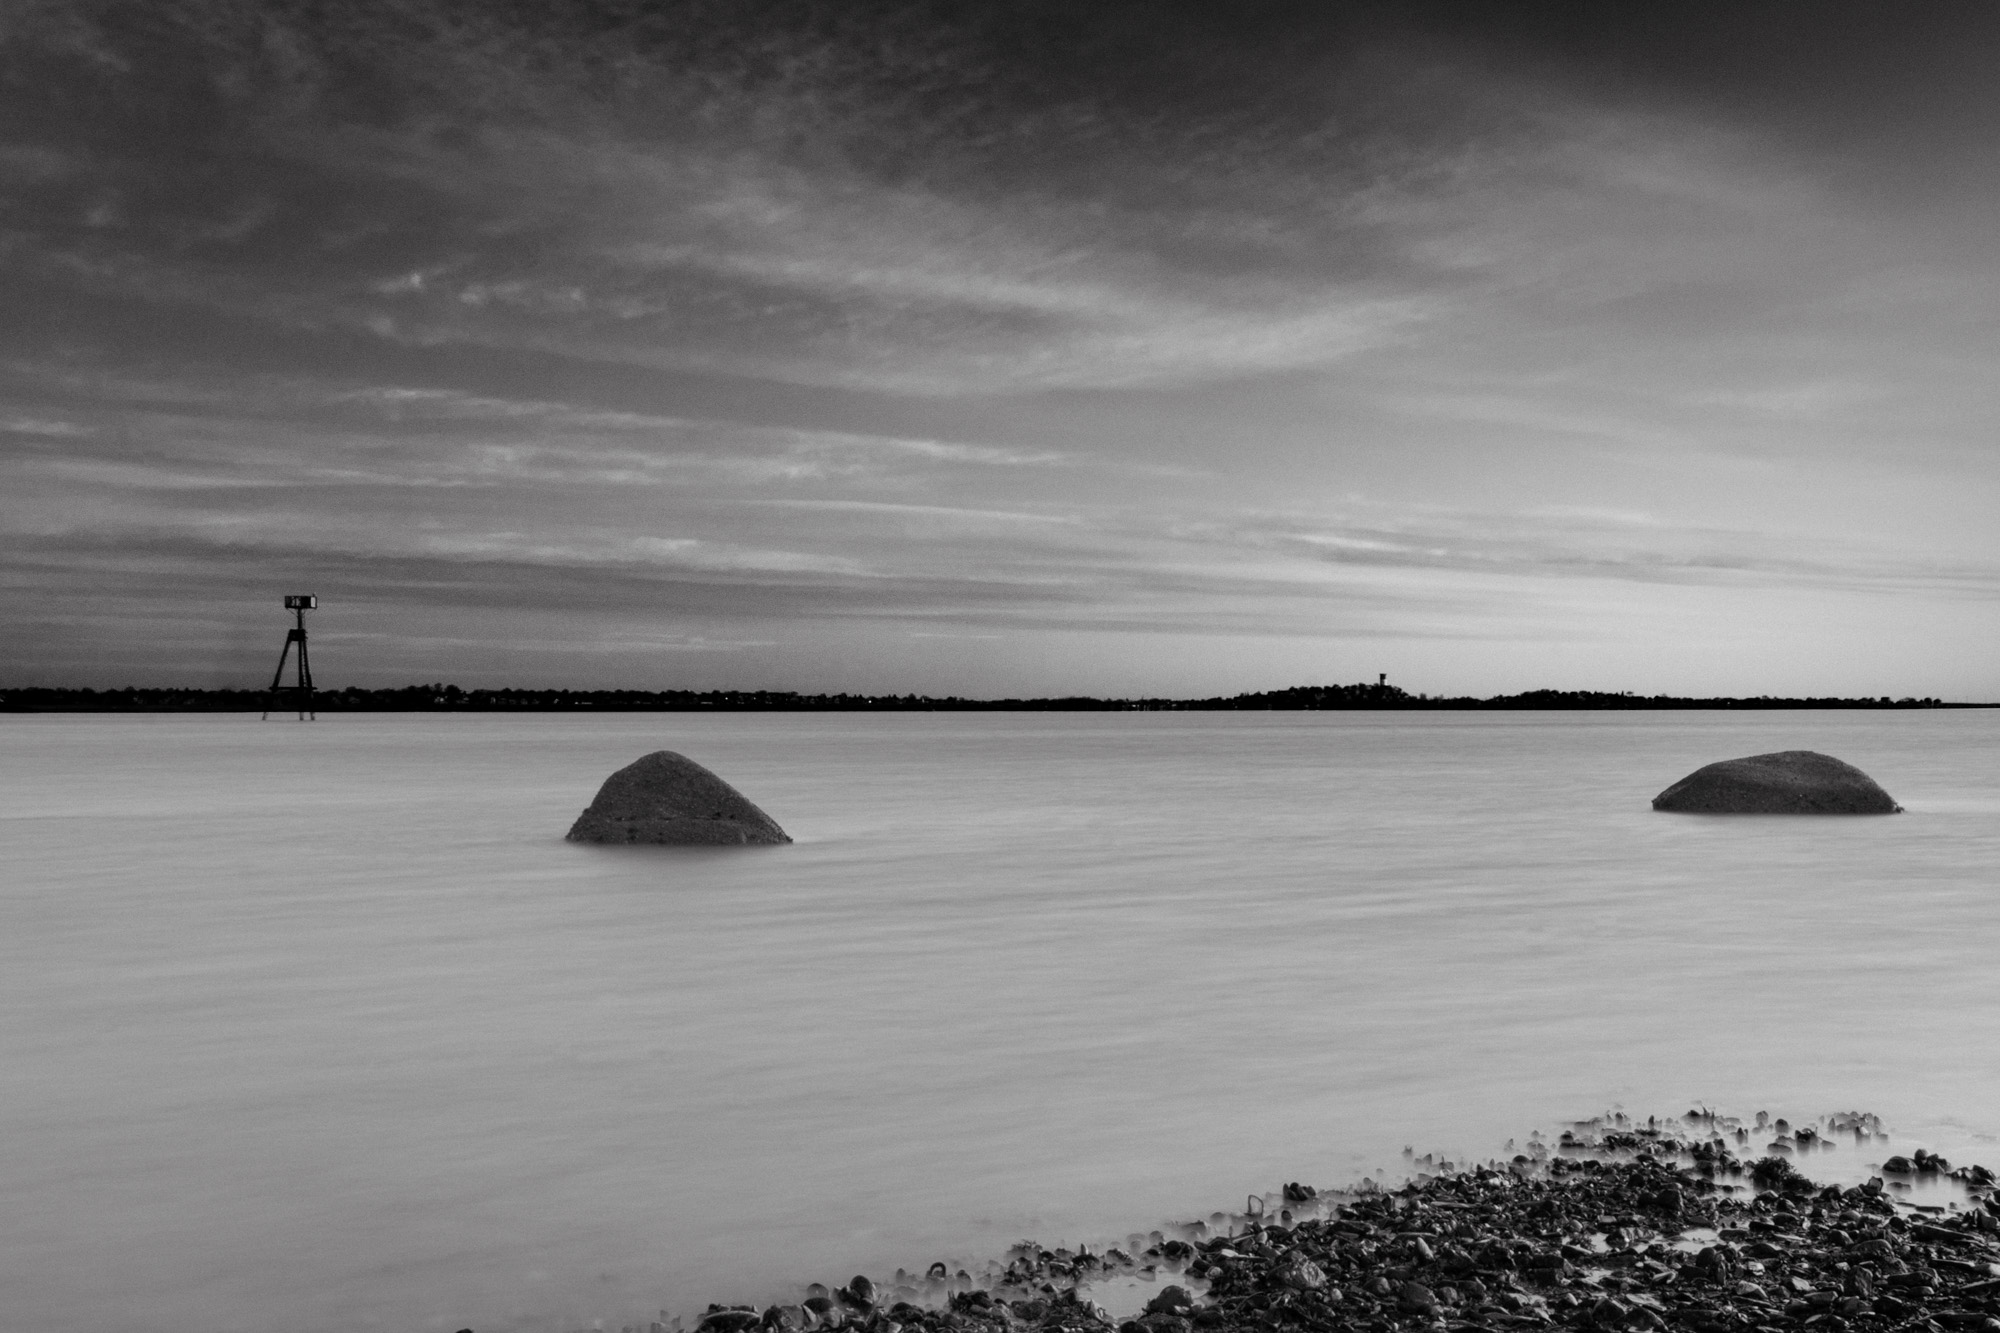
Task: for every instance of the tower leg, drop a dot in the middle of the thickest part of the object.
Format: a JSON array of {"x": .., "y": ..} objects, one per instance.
[
  {"x": 278, "y": 675},
  {"x": 305, "y": 678}
]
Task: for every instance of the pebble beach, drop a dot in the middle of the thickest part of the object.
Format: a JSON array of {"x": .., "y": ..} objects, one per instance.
[{"x": 1703, "y": 1223}]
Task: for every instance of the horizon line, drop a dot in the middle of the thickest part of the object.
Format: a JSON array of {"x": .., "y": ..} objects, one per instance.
[{"x": 1379, "y": 696}]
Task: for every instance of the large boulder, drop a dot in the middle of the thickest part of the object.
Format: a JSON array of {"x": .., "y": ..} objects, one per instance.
[
  {"x": 669, "y": 798},
  {"x": 1787, "y": 782}
]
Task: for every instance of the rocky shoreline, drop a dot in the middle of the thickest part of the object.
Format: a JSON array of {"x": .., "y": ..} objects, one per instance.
[{"x": 1616, "y": 1225}]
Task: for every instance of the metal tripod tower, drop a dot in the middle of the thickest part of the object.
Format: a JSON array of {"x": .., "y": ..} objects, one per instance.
[{"x": 298, "y": 604}]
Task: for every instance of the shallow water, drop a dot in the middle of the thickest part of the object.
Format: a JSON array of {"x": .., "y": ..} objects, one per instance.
[{"x": 324, "y": 1026}]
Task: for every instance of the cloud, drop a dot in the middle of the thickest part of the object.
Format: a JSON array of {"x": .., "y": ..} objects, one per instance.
[
  {"x": 1006, "y": 319},
  {"x": 1566, "y": 543},
  {"x": 882, "y": 201},
  {"x": 549, "y": 418},
  {"x": 945, "y": 512},
  {"x": 54, "y": 430},
  {"x": 695, "y": 212},
  {"x": 301, "y": 431}
]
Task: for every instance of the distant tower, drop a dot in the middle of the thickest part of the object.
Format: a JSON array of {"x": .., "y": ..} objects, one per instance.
[
  {"x": 298, "y": 604},
  {"x": 1381, "y": 679}
]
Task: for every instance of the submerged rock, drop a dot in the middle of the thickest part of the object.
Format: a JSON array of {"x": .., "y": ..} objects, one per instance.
[
  {"x": 668, "y": 798},
  {"x": 1787, "y": 782}
]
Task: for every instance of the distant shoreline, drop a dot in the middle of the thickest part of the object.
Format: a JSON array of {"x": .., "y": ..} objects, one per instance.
[{"x": 1313, "y": 698}]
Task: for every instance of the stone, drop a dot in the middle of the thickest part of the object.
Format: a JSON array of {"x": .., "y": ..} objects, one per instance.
[
  {"x": 668, "y": 798},
  {"x": 1787, "y": 782},
  {"x": 1302, "y": 1274},
  {"x": 728, "y": 1321}
]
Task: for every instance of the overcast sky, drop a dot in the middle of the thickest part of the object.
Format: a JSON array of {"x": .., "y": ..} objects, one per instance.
[{"x": 1011, "y": 348}]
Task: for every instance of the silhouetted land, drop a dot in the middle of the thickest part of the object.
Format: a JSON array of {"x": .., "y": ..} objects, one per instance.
[{"x": 450, "y": 698}]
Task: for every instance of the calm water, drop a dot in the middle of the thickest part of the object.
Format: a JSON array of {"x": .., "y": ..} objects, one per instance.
[{"x": 324, "y": 1027}]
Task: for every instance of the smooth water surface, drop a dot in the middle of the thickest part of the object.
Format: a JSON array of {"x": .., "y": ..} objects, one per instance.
[{"x": 323, "y": 1027}]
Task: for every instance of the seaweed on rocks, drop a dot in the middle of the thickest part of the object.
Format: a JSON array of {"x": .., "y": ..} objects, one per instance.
[{"x": 1622, "y": 1226}]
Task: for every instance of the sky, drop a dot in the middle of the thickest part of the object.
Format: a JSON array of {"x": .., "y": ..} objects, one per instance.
[{"x": 1032, "y": 348}]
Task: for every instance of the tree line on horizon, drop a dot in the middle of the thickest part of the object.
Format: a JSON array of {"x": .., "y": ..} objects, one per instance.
[{"x": 441, "y": 697}]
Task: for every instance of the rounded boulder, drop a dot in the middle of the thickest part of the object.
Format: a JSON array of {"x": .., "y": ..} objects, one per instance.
[
  {"x": 668, "y": 799},
  {"x": 1786, "y": 782}
]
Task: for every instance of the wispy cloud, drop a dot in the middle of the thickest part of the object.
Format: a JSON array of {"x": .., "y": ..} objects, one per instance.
[
  {"x": 54, "y": 430},
  {"x": 760, "y": 324},
  {"x": 1616, "y": 546},
  {"x": 510, "y": 207}
]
